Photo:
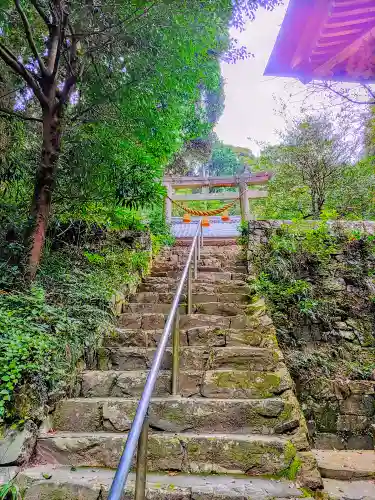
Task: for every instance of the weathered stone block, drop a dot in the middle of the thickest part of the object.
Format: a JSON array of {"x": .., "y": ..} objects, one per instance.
[
  {"x": 198, "y": 320},
  {"x": 358, "y": 405},
  {"x": 308, "y": 475},
  {"x": 326, "y": 416},
  {"x": 213, "y": 277},
  {"x": 130, "y": 321},
  {"x": 122, "y": 384},
  {"x": 218, "y": 309},
  {"x": 174, "y": 415},
  {"x": 234, "y": 298},
  {"x": 153, "y": 321},
  {"x": 240, "y": 322},
  {"x": 17, "y": 446},
  {"x": 203, "y": 297},
  {"x": 245, "y": 337},
  {"x": 334, "y": 284},
  {"x": 126, "y": 337},
  {"x": 244, "y": 358},
  {"x": 362, "y": 387},
  {"x": 244, "y": 384},
  {"x": 365, "y": 442},
  {"x": 206, "y": 335},
  {"x": 326, "y": 441},
  {"x": 78, "y": 415},
  {"x": 352, "y": 423},
  {"x": 146, "y": 308},
  {"x": 181, "y": 452},
  {"x": 146, "y": 297}
]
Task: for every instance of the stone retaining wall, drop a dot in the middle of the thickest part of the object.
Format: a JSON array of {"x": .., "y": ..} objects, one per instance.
[{"x": 340, "y": 412}]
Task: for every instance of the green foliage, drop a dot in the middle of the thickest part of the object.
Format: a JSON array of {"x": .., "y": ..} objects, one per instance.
[
  {"x": 108, "y": 216},
  {"x": 362, "y": 371},
  {"x": 294, "y": 469},
  {"x": 291, "y": 267},
  {"x": 224, "y": 161},
  {"x": 160, "y": 230},
  {"x": 10, "y": 491},
  {"x": 47, "y": 330},
  {"x": 33, "y": 343},
  {"x": 314, "y": 170},
  {"x": 288, "y": 292},
  {"x": 121, "y": 156}
]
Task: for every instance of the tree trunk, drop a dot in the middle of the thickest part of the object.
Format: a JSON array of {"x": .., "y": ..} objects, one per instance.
[
  {"x": 44, "y": 184},
  {"x": 314, "y": 205}
]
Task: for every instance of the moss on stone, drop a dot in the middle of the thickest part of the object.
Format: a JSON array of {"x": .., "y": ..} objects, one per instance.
[
  {"x": 289, "y": 452},
  {"x": 159, "y": 448},
  {"x": 249, "y": 457},
  {"x": 287, "y": 412},
  {"x": 264, "y": 383},
  {"x": 173, "y": 414},
  {"x": 251, "y": 338},
  {"x": 294, "y": 469},
  {"x": 102, "y": 357},
  {"x": 326, "y": 418}
]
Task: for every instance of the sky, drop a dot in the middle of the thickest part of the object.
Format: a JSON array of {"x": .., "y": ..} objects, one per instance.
[
  {"x": 249, "y": 104},
  {"x": 252, "y": 114}
]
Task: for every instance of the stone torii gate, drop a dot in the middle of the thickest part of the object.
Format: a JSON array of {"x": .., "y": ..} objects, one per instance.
[{"x": 174, "y": 183}]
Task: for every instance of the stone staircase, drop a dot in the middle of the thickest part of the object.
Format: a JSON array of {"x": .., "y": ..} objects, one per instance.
[{"x": 236, "y": 415}]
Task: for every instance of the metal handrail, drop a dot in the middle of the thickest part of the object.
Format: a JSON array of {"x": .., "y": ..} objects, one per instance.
[{"x": 139, "y": 430}]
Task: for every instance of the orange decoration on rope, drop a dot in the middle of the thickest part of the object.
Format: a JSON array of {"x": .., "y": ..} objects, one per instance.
[
  {"x": 186, "y": 218},
  {"x": 205, "y": 222},
  {"x": 225, "y": 217}
]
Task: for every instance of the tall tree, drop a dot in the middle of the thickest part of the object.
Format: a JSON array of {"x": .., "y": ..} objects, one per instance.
[
  {"x": 59, "y": 53},
  {"x": 316, "y": 167},
  {"x": 318, "y": 149}
]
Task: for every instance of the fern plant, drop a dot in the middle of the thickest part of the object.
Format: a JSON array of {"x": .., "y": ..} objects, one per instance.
[{"x": 10, "y": 491}]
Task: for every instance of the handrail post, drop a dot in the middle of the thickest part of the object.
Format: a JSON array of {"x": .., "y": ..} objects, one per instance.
[
  {"x": 190, "y": 291},
  {"x": 141, "y": 470},
  {"x": 195, "y": 274},
  {"x": 176, "y": 355},
  {"x": 199, "y": 247},
  {"x": 201, "y": 236}
]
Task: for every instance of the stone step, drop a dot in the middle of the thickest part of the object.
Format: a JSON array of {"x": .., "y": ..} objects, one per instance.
[
  {"x": 221, "y": 384},
  {"x": 185, "y": 452},
  {"x": 176, "y": 414},
  {"x": 166, "y": 268},
  {"x": 223, "y": 276},
  {"x": 198, "y": 298},
  {"x": 197, "y": 358},
  {"x": 349, "y": 490},
  {"x": 209, "y": 336},
  {"x": 212, "y": 308},
  {"x": 347, "y": 465},
  {"x": 203, "y": 276},
  {"x": 169, "y": 285},
  {"x": 210, "y": 251},
  {"x": 205, "y": 267},
  {"x": 137, "y": 307},
  {"x": 150, "y": 321},
  {"x": 62, "y": 482},
  {"x": 219, "y": 279},
  {"x": 219, "y": 308}
]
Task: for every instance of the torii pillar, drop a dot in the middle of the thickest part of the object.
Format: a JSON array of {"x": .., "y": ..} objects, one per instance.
[{"x": 244, "y": 202}]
